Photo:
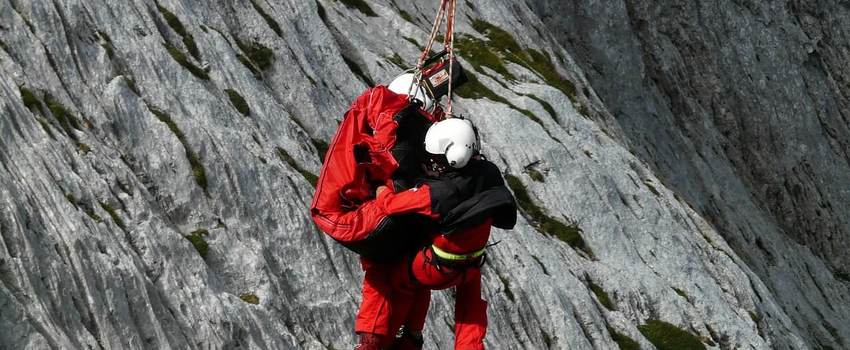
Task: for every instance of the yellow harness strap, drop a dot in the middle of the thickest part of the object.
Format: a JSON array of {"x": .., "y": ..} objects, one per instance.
[{"x": 458, "y": 257}]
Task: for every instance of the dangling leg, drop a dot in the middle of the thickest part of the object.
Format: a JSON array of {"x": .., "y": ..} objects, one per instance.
[
  {"x": 373, "y": 318},
  {"x": 470, "y": 312}
]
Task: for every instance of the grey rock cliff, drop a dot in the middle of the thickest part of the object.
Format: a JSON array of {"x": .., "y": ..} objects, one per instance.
[{"x": 157, "y": 158}]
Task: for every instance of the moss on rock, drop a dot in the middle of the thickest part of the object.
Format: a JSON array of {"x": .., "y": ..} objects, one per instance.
[
  {"x": 500, "y": 46},
  {"x": 172, "y": 20},
  {"x": 250, "y": 298},
  {"x": 181, "y": 59},
  {"x": 255, "y": 53},
  {"x": 114, "y": 215},
  {"x": 666, "y": 336},
  {"x": 198, "y": 241},
  {"x": 195, "y": 163},
  {"x": 270, "y": 21},
  {"x": 31, "y": 100},
  {"x": 359, "y": 5},
  {"x": 107, "y": 44},
  {"x": 285, "y": 157},
  {"x": 571, "y": 234},
  {"x": 238, "y": 102},
  {"x": 600, "y": 293},
  {"x": 623, "y": 341},
  {"x": 67, "y": 120}
]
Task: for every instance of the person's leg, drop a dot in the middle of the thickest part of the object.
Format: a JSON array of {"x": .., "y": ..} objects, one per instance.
[
  {"x": 419, "y": 311},
  {"x": 412, "y": 311},
  {"x": 373, "y": 318},
  {"x": 470, "y": 312},
  {"x": 411, "y": 333},
  {"x": 404, "y": 295}
]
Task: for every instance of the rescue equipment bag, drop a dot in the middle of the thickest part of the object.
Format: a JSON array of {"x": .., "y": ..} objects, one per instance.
[{"x": 366, "y": 152}]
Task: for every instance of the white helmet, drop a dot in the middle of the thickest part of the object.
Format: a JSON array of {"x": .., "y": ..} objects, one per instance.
[
  {"x": 403, "y": 85},
  {"x": 455, "y": 138}
]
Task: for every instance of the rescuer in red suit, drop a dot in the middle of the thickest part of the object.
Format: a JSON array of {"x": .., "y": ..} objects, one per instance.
[
  {"x": 377, "y": 144},
  {"x": 475, "y": 193}
]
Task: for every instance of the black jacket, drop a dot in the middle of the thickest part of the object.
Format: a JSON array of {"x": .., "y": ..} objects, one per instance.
[{"x": 468, "y": 196}]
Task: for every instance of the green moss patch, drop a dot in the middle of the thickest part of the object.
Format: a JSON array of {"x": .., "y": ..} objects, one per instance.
[
  {"x": 681, "y": 293},
  {"x": 194, "y": 160},
  {"x": 842, "y": 276},
  {"x": 500, "y": 46},
  {"x": 86, "y": 207},
  {"x": 189, "y": 42},
  {"x": 181, "y": 58},
  {"x": 479, "y": 53},
  {"x": 285, "y": 157},
  {"x": 405, "y": 15},
  {"x": 67, "y": 120},
  {"x": 397, "y": 60},
  {"x": 107, "y": 44},
  {"x": 131, "y": 83},
  {"x": 172, "y": 20},
  {"x": 474, "y": 89},
  {"x": 269, "y": 20},
  {"x": 90, "y": 212},
  {"x": 250, "y": 298},
  {"x": 546, "y": 106},
  {"x": 411, "y": 40},
  {"x": 359, "y": 5},
  {"x": 238, "y": 102},
  {"x": 250, "y": 65},
  {"x": 601, "y": 295},
  {"x": 114, "y": 215},
  {"x": 177, "y": 26},
  {"x": 666, "y": 336},
  {"x": 542, "y": 64},
  {"x": 31, "y": 100},
  {"x": 198, "y": 241},
  {"x": 571, "y": 234},
  {"x": 623, "y": 341},
  {"x": 535, "y": 175},
  {"x": 257, "y": 54}
]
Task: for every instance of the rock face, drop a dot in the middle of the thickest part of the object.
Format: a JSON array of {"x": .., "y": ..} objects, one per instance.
[{"x": 682, "y": 168}]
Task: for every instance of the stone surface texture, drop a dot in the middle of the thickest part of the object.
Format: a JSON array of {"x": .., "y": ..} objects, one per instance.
[{"x": 702, "y": 150}]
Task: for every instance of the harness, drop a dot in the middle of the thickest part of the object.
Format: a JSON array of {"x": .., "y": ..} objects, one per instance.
[
  {"x": 444, "y": 255},
  {"x": 422, "y": 70}
]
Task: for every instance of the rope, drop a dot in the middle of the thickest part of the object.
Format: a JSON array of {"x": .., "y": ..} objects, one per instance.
[
  {"x": 449, "y": 45},
  {"x": 447, "y": 12}
]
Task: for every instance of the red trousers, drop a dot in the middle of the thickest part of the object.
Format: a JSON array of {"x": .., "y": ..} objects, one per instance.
[{"x": 399, "y": 294}]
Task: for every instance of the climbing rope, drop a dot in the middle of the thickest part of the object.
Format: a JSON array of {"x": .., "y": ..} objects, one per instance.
[{"x": 447, "y": 12}]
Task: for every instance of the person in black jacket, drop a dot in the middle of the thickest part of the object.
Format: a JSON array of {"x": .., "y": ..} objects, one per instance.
[{"x": 474, "y": 199}]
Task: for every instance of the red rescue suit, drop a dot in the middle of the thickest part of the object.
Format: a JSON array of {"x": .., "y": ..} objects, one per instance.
[
  {"x": 373, "y": 147},
  {"x": 359, "y": 159},
  {"x": 413, "y": 280},
  {"x": 455, "y": 256}
]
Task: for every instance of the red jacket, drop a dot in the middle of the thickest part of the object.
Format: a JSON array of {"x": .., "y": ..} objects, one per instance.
[{"x": 358, "y": 159}]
